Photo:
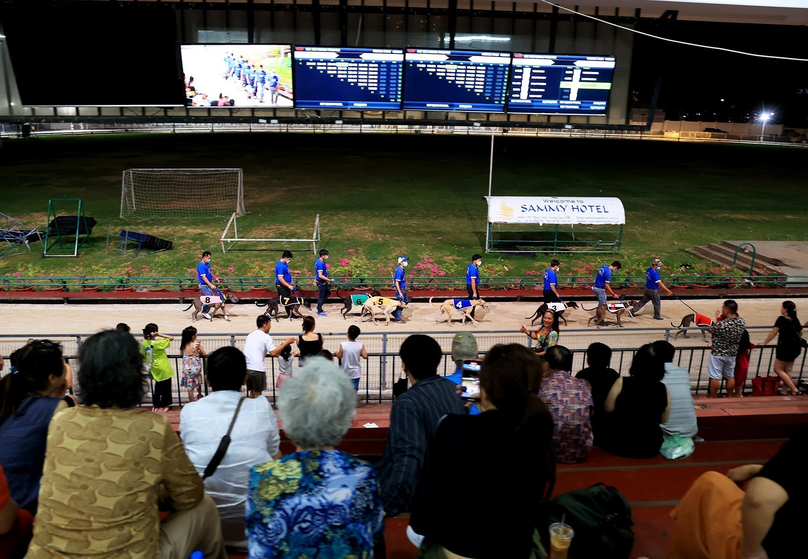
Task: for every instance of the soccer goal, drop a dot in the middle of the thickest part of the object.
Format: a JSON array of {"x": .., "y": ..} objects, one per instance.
[
  {"x": 182, "y": 193},
  {"x": 228, "y": 239}
]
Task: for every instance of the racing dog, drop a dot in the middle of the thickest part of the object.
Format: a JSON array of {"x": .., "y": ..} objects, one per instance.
[
  {"x": 383, "y": 305},
  {"x": 617, "y": 309},
  {"x": 291, "y": 304},
  {"x": 225, "y": 299},
  {"x": 703, "y": 323},
  {"x": 465, "y": 306},
  {"x": 557, "y": 308},
  {"x": 354, "y": 300}
]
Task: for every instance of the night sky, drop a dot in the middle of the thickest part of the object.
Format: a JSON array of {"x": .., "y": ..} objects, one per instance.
[{"x": 695, "y": 80}]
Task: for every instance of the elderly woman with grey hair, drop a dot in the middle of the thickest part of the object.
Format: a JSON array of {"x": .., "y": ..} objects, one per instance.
[{"x": 316, "y": 501}]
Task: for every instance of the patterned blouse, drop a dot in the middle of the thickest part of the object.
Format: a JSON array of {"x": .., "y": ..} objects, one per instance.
[
  {"x": 545, "y": 342},
  {"x": 570, "y": 401},
  {"x": 191, "y": 370},
  {"x": 313, "y": 504},
  {"x": 727, "y": 336}
]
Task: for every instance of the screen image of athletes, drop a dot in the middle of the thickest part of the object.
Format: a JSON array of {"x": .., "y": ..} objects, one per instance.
[{"x": 238, "y": 75}]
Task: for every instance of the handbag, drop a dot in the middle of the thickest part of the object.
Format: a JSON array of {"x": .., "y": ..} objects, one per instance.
[
  {"x": 223, "y": 444},
  {"x": 803, "y": 342},
  {"x": 677, "y": 447},
  {"x": 765, "y": 386}
]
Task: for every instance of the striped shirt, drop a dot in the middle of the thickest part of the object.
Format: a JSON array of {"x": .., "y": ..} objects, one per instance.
[
  {"x": 413, "y": 422},
  {"x": 682, "y": 420}
]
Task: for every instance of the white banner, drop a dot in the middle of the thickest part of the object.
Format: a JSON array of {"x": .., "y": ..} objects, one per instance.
[{"x": 555, "y": 210}]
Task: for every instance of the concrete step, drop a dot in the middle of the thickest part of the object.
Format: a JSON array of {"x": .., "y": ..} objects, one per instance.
[
  {"x": 758, "y": 256},
  {"x": 724, "y": 256}
]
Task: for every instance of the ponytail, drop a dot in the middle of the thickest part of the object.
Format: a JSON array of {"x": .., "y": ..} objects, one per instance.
[
  {"x": 34, "y": 363},
  {"x": 791, "y": 311}
]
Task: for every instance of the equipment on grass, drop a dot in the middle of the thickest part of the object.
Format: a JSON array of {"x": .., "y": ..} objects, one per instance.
[
  {"x": 143, "y": 241},
  {"x": 74, "y": 225},
  {"x": 315, "y": 236},
  {"x": 16, "y": 236},
  {"x": 182, "y": 193}
]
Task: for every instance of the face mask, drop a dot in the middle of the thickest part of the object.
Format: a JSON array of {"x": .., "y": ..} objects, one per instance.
[
  {"x": 325, "y": 257},
  {"x": 479, "y": 263},
  {"x": 207, "y": 261},
  {"x": 404, "y": 263}
]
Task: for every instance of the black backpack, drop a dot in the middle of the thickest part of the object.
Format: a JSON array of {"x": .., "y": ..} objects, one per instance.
[{"x": 601, "y": 519}]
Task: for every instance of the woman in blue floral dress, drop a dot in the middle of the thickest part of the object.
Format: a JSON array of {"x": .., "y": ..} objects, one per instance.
[
  {"x": 316, "y": 502},
  {"x": 192, "y": 353}
]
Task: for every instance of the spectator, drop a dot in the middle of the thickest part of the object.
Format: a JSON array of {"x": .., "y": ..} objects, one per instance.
[
  {"x": 159, "y": 366},
  {"x": 123, "y": 327},
  {"x": 316, "y": 501},
  {"x": 745, "y": 348},
  {"x": 413, "y": 422},
  {"x": 254, "y": 439},
  {"x": 570, "y": 401},
  {"x": 192, "y": 354},
  {"x": 636, "y": 407},
  {"x": 350, "y": 353},
  {"x": 716, "y": 519},
  {"x": 546, "y": 336},
  {"x": 726, "y": 330},
  {"x": 309, "y": 343},
  {"x": 29, "y": 399},
  {"x": 601, "y": 378},
  {"x": 257, "y": 346},
  {"x": 788, "y": 330},
  {"x": 16, "y": 524},
  {"x": 682, "y": 420},
  {"x": 464, "y": 346},
  {"x": 109, "y": 465},
  {"x": 509, "y": 487},
  {"x": 325, "y": 354},
  {"x": 286, "y": 360}
]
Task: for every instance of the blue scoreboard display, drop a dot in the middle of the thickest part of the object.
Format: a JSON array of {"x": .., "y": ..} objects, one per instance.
[
  {"x": 560, "y": 84},
  {"x": 348, "y": 78},
  {"x": 454, "y": 80}
]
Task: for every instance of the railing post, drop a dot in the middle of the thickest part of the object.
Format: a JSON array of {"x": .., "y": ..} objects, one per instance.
[
  {"x": 667, "y": 334},
  {"x": 383, "y": 364},
  {"x": 232, "y": 340}
]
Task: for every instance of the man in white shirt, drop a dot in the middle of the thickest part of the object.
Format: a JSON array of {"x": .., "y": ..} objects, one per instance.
[
  {"x": 257, "y": 346},
  {"x": 254, "y": 439}
]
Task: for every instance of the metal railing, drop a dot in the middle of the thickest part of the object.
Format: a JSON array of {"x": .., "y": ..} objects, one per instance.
[{"x": 383, "y": 368}]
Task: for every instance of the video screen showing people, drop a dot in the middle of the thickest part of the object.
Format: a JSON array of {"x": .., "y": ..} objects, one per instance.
[{"x": 238, "y": 75}]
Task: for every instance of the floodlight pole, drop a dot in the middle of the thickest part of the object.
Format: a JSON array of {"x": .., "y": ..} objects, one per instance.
[{"x": 491, "y": 164}]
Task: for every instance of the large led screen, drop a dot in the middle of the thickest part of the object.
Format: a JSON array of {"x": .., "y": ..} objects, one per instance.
[
  {"x": 455, "y": 80},
  {"x": 348, "y": 78},
  {"x": 560, "y": 84},
  {"x": 238, "y": 75}
]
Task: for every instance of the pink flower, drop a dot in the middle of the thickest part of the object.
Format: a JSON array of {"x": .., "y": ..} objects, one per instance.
[
  {"x": 17, "y": 274},
  {"x": 231, "y": 269},
  {"x": 351, "y": 250},
  {"x": 344, "y": 262}
]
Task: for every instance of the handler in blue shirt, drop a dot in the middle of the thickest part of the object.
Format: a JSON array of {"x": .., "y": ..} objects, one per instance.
[
  {"x": 401, "y": 284},
  {"x": 473, "y": 279},
  {"x": 283, "y": 277},
  {"x": 205, "y": 277},
  {"x": 651, "y": 293},
  {"x": 602, "y": 284},
  {"x": 323, "y": 281},
  {"x": 550, "y": 291}
]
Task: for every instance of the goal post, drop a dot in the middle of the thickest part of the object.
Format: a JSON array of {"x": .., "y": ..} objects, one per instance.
[
  {"x": 182, "y": 193},
  {"x": 230, "y": 236}
]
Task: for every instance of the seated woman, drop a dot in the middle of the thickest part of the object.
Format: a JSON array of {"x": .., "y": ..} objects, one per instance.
[
  {"x": 716, "y": 520},
  {"x": 109, "y": 465},
  {"x": 546, "y": 336},
  {"x": 601, "y": 378},
  {"x": 316, "y": 501},
  {"x": 506, "y": 488},
  {"x": 29, "y": 398},
  {"x": 636, "y": 406}
]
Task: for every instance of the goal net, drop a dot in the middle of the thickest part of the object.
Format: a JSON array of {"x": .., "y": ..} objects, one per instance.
[{"x": 182, "y": 193}]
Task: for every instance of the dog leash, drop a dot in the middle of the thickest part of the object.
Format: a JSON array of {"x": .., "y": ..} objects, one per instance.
[{"x": 685, "y": 304}]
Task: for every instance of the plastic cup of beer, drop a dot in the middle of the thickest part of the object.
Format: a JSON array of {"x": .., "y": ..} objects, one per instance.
[{"x": 560, "y": 539}]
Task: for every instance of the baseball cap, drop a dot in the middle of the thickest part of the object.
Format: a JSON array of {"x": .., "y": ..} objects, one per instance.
[
  {"x": 464, "y": 346},
  {"x": 402, "y": 259},
  {"x": 658, "y": 262}
]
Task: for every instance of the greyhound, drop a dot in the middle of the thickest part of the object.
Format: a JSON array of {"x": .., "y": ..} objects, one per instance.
[
  {"x": 465, "y": 306},
  {"x": 354, "y": 300},
  {"x": 558, "y": 308},
  {"x": 383, "y": 305},
  {"x": 226, "y": 299},
  {"x": 701, "y": 321},
  {"x": 617, "y": 309},
  {"x": 292, "y": 306}
]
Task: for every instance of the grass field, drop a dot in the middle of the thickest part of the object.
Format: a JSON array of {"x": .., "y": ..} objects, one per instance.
[{"x": 417, "y": 195}]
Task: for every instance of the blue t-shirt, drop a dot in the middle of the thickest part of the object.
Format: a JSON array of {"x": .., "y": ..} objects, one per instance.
[
  {"x": 203, "y": 270},
  {"x": 472, "y": 272},
  {"x": 400, "y": 277},
  {"x": 262, "y": 76},
  {"x": 604, "y": 276},
  {"x": 273, "y": 81},
  {"x": 550, "y": 278},
  {"x": 457, "y": 378},
  {"x": 282, "y": 269},
  {"x": 651, "y": 278},
  {"x": 319, "y": 266}
]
